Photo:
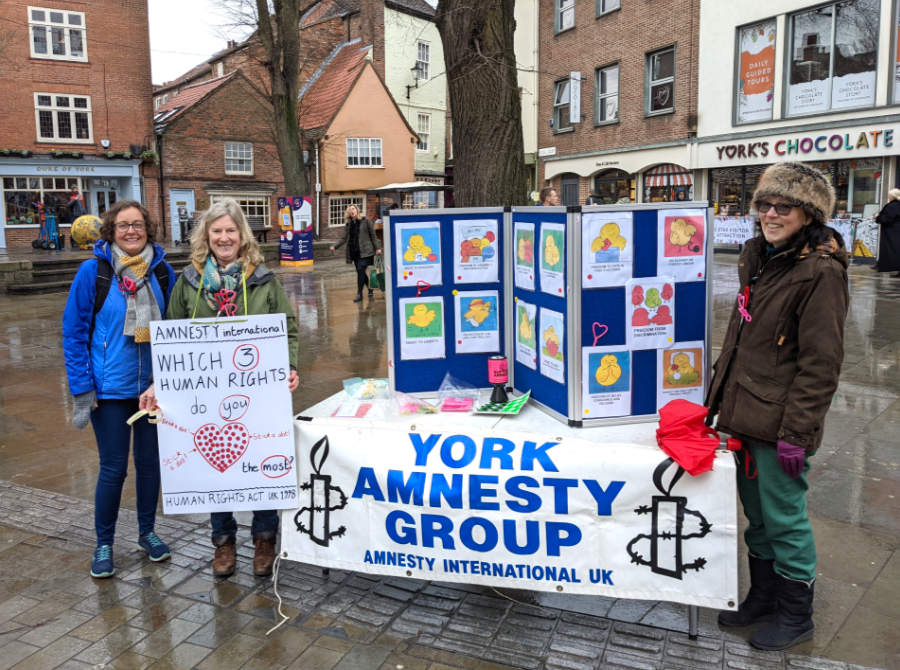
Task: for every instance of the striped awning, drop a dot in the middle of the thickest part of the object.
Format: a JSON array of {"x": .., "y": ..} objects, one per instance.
[{"x": 667, "y": 174}]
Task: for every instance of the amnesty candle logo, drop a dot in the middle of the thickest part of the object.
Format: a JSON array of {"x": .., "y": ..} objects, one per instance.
[{"x": 315, "y": 519}]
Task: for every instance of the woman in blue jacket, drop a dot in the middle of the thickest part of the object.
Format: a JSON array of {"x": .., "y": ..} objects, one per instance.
[{"x": 107, "y": 352}]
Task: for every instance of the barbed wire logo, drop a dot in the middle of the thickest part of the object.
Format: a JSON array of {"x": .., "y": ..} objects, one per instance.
[{"x": 321, "y": 497}]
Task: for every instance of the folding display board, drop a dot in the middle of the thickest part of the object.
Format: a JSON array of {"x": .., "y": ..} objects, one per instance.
[{"x": 445, "y": 295}]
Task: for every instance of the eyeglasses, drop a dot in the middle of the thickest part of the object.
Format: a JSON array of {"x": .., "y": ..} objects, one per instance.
[
  {"x": 137, "y": 226},
  {"x": 782, "y": 209}
]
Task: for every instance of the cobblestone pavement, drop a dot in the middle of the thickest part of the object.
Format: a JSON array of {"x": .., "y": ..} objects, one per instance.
[{"x": 175, "y": 615}]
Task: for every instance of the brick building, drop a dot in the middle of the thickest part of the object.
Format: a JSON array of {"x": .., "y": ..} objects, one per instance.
[
  {"x": 77, "y": 108},
  {"x": 618, "y": 98},
  {"x": 214, "y": 140}
]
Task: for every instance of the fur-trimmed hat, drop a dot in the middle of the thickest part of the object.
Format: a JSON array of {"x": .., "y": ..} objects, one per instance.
[{"x": 804, "y": 186}]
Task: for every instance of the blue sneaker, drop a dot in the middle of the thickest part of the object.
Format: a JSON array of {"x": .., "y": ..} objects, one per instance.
[
  {"x": 102, "y": 565},
  {"x": 156, "y": 549}
]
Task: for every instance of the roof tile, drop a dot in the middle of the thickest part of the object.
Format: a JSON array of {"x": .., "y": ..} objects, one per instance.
[
  {"x": 321, "y": 102},
  {"x": 190, "y": 96}
]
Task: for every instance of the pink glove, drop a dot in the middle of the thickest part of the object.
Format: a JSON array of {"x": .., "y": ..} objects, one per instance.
[{"x": 790, "y": 458}]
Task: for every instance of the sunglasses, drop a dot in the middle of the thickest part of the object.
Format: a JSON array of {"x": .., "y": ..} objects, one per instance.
[{"x": 782, "y": 209}]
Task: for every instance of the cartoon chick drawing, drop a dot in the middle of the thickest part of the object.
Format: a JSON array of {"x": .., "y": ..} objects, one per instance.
[
  {"x": 610, "y": 236},
  {"x": 525, "y": 332},
  {"x": 421, "y": 316},
  {"x": 479, "y": 310},
  {"x": 682, "y": 372},
  {"x": 681, "y": 232},
  {"x": 551, "y": 341},
  {"x": 524, "y": 252},
  {"x": 609, "y": 371},
  {"x": 551, "y": 251},
  {"x": 417, "y": 250}
]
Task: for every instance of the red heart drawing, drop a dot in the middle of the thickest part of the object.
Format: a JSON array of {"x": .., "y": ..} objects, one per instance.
[{"x": 222, "y": 447}]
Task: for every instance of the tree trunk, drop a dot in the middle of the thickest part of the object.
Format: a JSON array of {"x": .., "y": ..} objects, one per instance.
[
  {"x": 485, "y": 105},
  {"x": 282, "y": 49}
]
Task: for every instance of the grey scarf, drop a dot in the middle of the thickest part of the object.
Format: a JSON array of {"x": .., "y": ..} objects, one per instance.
[{"x": 133, "y": 273}]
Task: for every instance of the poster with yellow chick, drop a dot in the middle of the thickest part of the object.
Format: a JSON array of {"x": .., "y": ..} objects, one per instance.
[
  {"x": 553, "y": 254},
  {"x": 422, "y": 328},
  {"x": 476, "y": 255},
  {"x": 526, "y": 334},
  {"x": 606, "y": 387},
  {"x": 418, "y": 256},
  {"x": 682, "y": 244},
  {"x": 477, "y": 322},
  {"x": 607, "y": 253},
  {"x": 551, "y": 331},
  {"x": 681, "y": 373}
]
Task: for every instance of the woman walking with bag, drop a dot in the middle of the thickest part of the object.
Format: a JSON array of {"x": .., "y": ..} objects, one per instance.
[
  {"x": 362, "y": 246},
  {"x": 889, "y": 240},
  {"x": 772, "y": 386}
]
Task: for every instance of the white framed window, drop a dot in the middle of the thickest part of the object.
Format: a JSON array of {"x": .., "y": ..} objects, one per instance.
[
  {"x": 606, "y": 99},
  {"x": 423, "y": 131},
  {"x": 254, "y": 205},
  {"x": 220, "y": 69},
  {"x": 561, "y": 100},
  {"x": 338, "y": 204},
  {"x": 660, "y": 83},
  {"x": 238, "y": 158},
  {"x": 57, "y": 34},
  {"x": 364, "y": 152},
  {"x": 563, "y": 15},
  {"x": 60, "y": 117},
  {"x": 606, "y": 6},
  {"x": 423, "y": 59}
]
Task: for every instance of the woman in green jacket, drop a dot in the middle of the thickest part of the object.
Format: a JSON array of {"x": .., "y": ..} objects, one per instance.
[{"x": 225, "y": 255}]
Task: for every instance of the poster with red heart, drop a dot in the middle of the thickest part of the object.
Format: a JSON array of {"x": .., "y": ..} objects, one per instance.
[{"x": 226, "y": 440}]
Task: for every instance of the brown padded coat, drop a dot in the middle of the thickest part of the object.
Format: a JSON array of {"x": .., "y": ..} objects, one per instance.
[{"x": 776, "y": 374}]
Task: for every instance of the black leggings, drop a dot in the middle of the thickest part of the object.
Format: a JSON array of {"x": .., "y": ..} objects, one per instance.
[{"x": 362, "y": 277}]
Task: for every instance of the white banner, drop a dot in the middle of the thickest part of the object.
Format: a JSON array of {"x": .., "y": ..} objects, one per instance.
[
  {"x": 733, "y": 229},
  {"x": 225, "y": 435},
  {"x": 513, "y": 510}
]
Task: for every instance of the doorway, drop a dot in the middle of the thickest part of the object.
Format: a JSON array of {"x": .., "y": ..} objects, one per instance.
[
  {"x": 181, "y": 209},
  {"x": 569, "y": 190},
  {"x": 102, "y": 199}
]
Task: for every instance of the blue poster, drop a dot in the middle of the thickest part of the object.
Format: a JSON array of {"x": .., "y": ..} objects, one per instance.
[{"x": 295, "y": 218}]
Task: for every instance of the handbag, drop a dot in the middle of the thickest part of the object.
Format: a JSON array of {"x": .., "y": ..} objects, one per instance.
[{"x": 373, "y": 278}]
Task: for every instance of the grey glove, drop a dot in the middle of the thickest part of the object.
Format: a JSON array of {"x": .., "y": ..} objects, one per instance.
[{"x": 84, "y": 405}]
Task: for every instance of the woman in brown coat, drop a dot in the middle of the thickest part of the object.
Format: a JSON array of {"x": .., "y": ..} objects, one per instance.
[
  {"x": 772, "y": 386},
  {"x": 362, "y": 245}
]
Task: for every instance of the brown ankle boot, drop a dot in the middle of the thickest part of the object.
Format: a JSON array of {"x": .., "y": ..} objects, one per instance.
[
  {"x": 226, "y": 556},
  {"x": 263, "y": 554}
]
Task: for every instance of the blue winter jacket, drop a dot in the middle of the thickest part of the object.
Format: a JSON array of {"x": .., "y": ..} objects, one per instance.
[{"x": 113, "y": 365}]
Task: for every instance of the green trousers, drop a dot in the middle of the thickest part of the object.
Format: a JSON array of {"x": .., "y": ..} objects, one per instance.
[{"x": 775, "y": 506}]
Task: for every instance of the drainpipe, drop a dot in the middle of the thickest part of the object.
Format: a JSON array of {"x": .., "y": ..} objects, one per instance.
[
  {"x": 162, "y": 193},
  {"x": 318, "y": 188}
]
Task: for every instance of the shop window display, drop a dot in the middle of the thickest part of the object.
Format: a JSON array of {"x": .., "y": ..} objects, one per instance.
[
  {"x": 667, "y": 183},
  {"x": 614, "y": 187},
  {"x": 22, "y": 194}
]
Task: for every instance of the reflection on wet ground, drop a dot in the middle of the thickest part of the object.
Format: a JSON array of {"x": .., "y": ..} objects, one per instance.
[{"x": 853, "y": 481}]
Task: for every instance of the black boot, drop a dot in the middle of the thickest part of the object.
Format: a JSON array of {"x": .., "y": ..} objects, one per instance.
[
  {"x": 759, "y": 605},
  {"x": 793, "y": 621}
]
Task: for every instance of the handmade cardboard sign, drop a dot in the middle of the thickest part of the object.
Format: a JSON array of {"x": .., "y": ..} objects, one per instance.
[{"x": 225, "y": 436}]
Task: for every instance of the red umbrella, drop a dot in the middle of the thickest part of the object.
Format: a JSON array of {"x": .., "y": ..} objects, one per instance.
[{"x": 685, "y": 437}]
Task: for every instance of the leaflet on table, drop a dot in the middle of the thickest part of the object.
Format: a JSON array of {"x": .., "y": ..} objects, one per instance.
[
  {"x": 682, "y": 244},
  {"x": 526, "y": 334},
  {"x": 553, "y": 255},
  {"x": 606, "y": 386},
  {"x": 607, "y": 253},
  {"x": 475, "y": 251},
  {"x": 477, "y": 322},
  {"x": 552, "y": 333},
  {"x": 680, "y": 373},
  {"x": 524, "y": 268},
  {"x": 418, "y": 246},
  {"x": 651, "y": 313},
  {"x": 422, "y": 328}
]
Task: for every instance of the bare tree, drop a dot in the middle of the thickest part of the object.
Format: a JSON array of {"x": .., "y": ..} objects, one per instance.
[{"x": 485, "y": 105}]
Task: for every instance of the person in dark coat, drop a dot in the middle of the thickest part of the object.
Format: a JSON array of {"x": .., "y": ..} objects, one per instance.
[
  {"x": 362, "y": 245},
  {"x": 889, "y": 240},
  {"x": 772, "y": 386}
]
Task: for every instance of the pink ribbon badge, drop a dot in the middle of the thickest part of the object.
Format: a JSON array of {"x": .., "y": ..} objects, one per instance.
[
  {"x": 225, "y": 300},
  {"x": 598, "y": 330},
  {"x": 127, "y": 286},
  {"x": 742, "y": 302}
]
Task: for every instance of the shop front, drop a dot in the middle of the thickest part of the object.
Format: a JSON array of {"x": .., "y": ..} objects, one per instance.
[{"x": 39, "y": 187}]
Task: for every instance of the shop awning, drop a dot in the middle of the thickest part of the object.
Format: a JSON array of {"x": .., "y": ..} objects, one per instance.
[{"x": 667, "y": 174}]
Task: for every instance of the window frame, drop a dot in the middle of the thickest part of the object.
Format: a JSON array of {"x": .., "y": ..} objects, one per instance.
[
  {"x": 423, "y": 66},
  {"x": 55, "y": 111},
  {"x": 236, "y": 150},
  {"x": 600, "y": 97},
  {"x": 650, "y": 83},
  {"x": 48, "y": 26},
  {"x": 420, "y": 145},
  {"x": 558, "y": 11},
  {"x": 600, "y": 4},
  {"x": 370, "y": 144},
  {"x": 339, "y": 204},
  {"x": 261, "y": 199},
  {"x": 558, "y": 107},
  {"x": 736, "y": 77}
]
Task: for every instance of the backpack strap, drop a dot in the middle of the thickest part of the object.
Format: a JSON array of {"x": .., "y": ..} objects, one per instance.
[{"x": 104, "y": 279}]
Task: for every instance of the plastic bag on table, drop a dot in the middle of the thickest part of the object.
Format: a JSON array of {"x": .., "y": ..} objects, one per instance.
[
  {"x": 409, "y": 404},
  {"x": 456, "y": 395},
  {"x": 367, "y": 389}
]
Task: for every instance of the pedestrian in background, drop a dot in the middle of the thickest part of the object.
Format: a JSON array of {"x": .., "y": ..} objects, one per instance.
[
  {"x": 107, "y": 353},
  {"x": 889, "y": 240},
  {"x": 225, "y": 257},
  {"x": 362, "y": 245},
  {"x": 549, "y": 196},
  {"x": 773, "y": 383}
]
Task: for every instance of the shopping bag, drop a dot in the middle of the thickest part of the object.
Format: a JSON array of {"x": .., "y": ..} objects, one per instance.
[{"x": 373, "y": 278}]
